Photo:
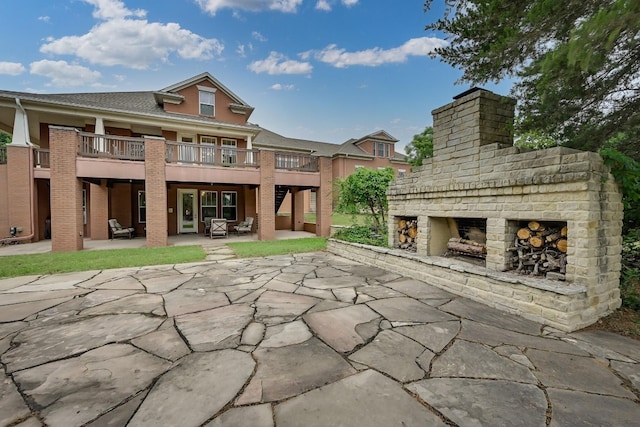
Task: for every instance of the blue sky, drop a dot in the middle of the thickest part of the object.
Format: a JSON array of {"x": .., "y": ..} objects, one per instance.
[{"x": 325, "y": 70}]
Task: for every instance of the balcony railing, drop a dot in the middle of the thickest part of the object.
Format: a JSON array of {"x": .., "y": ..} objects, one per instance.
[
  {"x": 110, "y": 146},
  {"x": 41, "y": 158},
  {"x": 297, "y": 162},
  {"x": 3, "y": 155},
  {"x": 211, "y": 155}
]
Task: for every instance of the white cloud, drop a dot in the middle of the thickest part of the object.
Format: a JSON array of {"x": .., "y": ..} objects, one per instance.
[
  {"x": 277, "y": 63},
  {"x": 256, "y": 35},
  {"x": 130, "y": 42},
  {"x": 62, "y": 73},
  {"x": 340, "y": 58},
  {"x": 349, "y": 3},
  {"x": 279, "y": 86},
  {"x": 44, "y": 18},
  {"x": 213, "y": 6},
  {"x": 323, "y": 5},
  {"x": 11, "y": 68},
  {"x": 113, "y": 9}
]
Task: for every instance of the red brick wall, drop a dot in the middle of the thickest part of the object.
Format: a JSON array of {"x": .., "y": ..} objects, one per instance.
[
  {"x": 324, "y": 196},
  {"x": 156, "y": 192},
  {"x": 19, "y": 180},
  {"x": 266, "y": 215},
  {"x": 98, "y": 211},
  {"x": 120, "y": 208},
  {"x": 4, "y": 202},
  {"x": 297, "y": 210},
  {"x": 66, "y": 191}
]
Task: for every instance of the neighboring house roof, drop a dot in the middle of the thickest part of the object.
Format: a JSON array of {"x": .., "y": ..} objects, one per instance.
[{"x": 269, "y": 139}]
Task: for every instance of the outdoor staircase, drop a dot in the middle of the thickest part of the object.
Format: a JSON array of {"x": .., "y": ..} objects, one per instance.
[{"x": 281, "y": 193}]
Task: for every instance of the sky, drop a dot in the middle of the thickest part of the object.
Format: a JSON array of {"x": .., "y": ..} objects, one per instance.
[{"x": 322, "y": 70}]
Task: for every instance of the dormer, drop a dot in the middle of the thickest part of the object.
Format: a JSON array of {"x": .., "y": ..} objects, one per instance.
[
  {"x": 377, "y": 144},
  {"x": 204, "y": 96}
]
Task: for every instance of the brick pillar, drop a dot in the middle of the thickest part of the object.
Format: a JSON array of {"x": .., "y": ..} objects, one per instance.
[
  {"x": 99, "y": 211},
  {"x": 324, "y": 198},
  {"x": 156, "y": 191},
  {"x": 267, "y": 191},
  {"x": 297, "y": 209},
  {"x": 19, "y": 180},
  {"x": 66, "y": 190},
  {"x": 250, "y": 203}
]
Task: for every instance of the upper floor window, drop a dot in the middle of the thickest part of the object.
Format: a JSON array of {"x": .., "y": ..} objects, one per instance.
[
  {"x": 207, "y": 101},
  {"x": 380, "y": 149},
  {"x": 229, "y": 152}
]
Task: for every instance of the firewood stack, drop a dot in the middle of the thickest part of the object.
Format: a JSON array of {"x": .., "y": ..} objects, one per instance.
[
  {"x": 407, "y": 234},
  {"x": 540, "y": 250}
]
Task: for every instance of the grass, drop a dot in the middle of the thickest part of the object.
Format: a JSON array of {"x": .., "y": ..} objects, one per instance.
[
  {"x": 278, "y": 247},
  {"x": 338, "y": 219},
  {"x": 67, "y": 262}
]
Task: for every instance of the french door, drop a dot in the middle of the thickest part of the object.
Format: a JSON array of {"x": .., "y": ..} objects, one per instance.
[{"x": 187, "y": 211}]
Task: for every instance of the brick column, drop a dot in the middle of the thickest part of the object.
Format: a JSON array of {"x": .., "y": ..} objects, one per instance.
[
  {"x": 297, "y": 209},
  {"x": 324, "y": 198},
  {"x": 267, "y": 192},
  {"x": 156, "y": 191},
  {"x": 66, "y": 190},
  {"x": 18, "y": 185},
  {"x": 99, "y": 211},
  {"x": 250, "y": 203}
]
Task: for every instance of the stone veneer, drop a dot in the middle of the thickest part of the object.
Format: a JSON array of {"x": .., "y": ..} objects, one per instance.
[{"x": 476, "y": 172}]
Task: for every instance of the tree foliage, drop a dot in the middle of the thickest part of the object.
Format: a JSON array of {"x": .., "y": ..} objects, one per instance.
[
  {"x": 5, "y": 138},
  {"x": 576, "y": 63},
  {"x": 421, "y": 147},
  {"x": 365, "y": 190}
]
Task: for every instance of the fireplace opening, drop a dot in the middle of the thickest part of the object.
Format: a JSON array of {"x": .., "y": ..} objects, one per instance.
[
  {"x": 407, "y": 233},
  {"x": 467, "y": 239},
  {"x": 539, "y": 248}
]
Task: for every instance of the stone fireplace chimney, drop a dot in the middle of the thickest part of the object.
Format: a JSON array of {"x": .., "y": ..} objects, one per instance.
[{"x": 477, "y": 176}]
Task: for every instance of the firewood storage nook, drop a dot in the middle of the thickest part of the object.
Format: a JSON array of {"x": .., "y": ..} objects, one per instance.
[{"x": 551, "y": 220}]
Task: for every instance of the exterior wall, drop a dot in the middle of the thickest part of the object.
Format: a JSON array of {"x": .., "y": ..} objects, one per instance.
[
  {"x": 66, "y": 191},
  {"x": 98, "y": 211},
  {"x": 345, "y": 166},
  {"x": 473, "y": 175},
  {"x": 324, "y": 199},
  {"x": 191, "y": 104},
  {"x": 266, "y": 196},
  {"x": 4, "y": 202},
  {"x": 44, "y": 209},
  {"x": 121, "y": 205},
  {"x": 19, "y": 181},
  {"x": 155, "y": 186}
]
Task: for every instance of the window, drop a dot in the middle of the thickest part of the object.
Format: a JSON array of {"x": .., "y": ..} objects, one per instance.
[
  {"x": 229, "y": 151},
  {"x": 208, "y": 149},
  {"x": 229, "y": 205},
  {"x": 401, "y": 173},
  {"x": 142, "y": 207},
  {"x": 208, "y": 204},
  {"x": 84, "y": 206},
  {"x": 207, "y": 101},
  {"x": 359, "y": 167},
  {"x": 380, "y": 149}
]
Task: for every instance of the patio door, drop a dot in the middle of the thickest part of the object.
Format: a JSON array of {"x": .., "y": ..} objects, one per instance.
[{"x": 187, "y": 211}]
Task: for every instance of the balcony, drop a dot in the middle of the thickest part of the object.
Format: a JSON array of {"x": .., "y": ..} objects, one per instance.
[
  {"x": 111, "y": 147},
  {"x": 211, "y": 155},
  {"x": 41, "y": 158}
]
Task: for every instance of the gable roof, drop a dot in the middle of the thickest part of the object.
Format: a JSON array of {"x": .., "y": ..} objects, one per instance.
[{"x": 237, "y": 101}]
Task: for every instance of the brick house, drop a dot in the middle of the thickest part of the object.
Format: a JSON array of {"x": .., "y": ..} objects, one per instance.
[{"x": 159, "y": 161}]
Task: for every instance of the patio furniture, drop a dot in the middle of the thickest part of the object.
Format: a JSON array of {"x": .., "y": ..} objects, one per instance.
[
  {"x": 207, "y": 225},
  {"x": 118, "y": 230},
  {"x": 244, "y": 226},
  {"x": 218, "y": 228}
]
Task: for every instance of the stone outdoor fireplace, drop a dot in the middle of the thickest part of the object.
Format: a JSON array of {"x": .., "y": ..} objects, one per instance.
[{"x": 518, "y": 212}]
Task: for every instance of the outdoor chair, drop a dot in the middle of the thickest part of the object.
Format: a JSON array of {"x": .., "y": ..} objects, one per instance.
[
  {"x": 218, "y": 228},
  {"x": 244, "y": 226},
  {"x": 207, "y": 225},
  {"x": 118, "y": 230}
]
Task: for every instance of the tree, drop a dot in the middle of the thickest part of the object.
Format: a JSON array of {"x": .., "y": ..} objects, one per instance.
[
  {"x": 421, "y": 147},
  {"x": 576, "y": 63},
  {"x": 365, "y": 190},
  {"x": 5, "y": 138}
]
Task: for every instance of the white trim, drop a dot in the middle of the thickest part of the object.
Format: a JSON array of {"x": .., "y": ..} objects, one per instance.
[{"x": 207, "y": 89}]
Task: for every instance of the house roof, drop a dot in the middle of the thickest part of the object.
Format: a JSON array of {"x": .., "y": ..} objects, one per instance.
[
  {"x": 269, "y": 139},
  {"x": 130, "y": 103}
]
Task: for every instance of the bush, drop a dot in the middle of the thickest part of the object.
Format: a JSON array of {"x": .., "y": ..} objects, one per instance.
[
  {"x": 630, "y": 275},
  {"x": 362, "y": 234}
]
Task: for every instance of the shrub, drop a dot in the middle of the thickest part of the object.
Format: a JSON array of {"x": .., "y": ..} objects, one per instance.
[
  {"x": 630, "y": 275},
  {"x": 362, "y": 234}
]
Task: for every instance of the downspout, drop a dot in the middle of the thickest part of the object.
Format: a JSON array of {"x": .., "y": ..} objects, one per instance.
[{"x": 31, "y": 182}]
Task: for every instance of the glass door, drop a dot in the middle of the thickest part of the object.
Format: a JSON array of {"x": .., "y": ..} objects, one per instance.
[{"x": 187, "y": 211}]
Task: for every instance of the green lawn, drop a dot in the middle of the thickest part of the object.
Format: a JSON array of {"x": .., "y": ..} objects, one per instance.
[
  {"x": 66, "y": 262},
  {"x": 338, "y": 219},
  {"x": 278, "y": 247}
]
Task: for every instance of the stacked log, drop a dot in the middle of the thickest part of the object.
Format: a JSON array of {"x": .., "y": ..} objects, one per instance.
[
  {"x": 540, "y": 249},
  {"x": 407, "y": 234},
  {"x": 459, "y": 246}
]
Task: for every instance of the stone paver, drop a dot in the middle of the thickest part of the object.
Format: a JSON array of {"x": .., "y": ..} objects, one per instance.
[{"x": 310, "y": 339}]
